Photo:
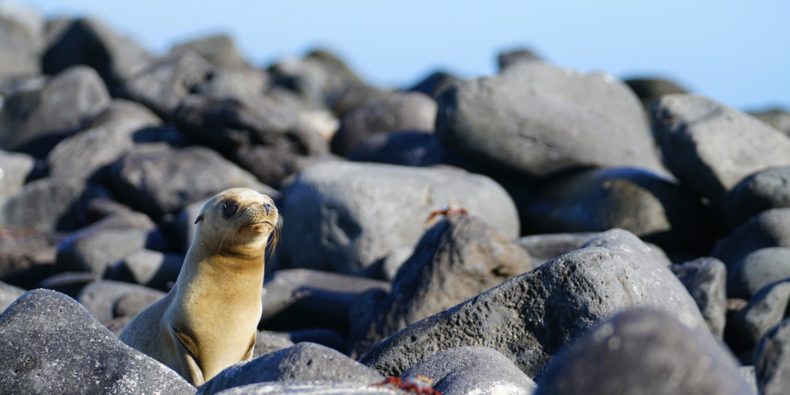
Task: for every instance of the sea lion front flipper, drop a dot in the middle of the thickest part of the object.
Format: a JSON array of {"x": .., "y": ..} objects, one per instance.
[{"x": 188, "y": 348}]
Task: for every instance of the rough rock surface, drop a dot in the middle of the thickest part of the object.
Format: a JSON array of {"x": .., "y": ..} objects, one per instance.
[
  {"x": 771, "y": 228},
  {"x": 766, "y": 309},
  {"x": 772, "y": 360},
  {"x": 758, "y": 192},
  {"x": 706, "y": 281},
  {"x": 311, "y": 388}
]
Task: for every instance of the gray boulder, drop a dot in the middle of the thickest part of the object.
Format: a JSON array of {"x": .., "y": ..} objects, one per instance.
[
  {"x": 241, "y": 84},
  {"x": 532, "y": 316},
  {"x": 538, "y": 119},
  {"x": 153, "y": 269},
  {"x": 26, "y": 257},
  {"x": 771, "y": 228},
  {"x": 758, "y": 269},
  {"x": 758, "y": 192},
  {"x": 459, "y": 257},
  {"x": 647, "y": 205},
  {"x": 434, "y": 83},
  {"x": 650, "y": 89},
  {"x": 14, "y": 168},
  {"x": 69, "y": 283},
  {"x": 19, "y": 42},
  {"x": 217, "y": 49},
  {"x": 347, "y": 217},
  {"x": 401, "y": 148},
  {"x": 106, "y": 300},
  {"x": 767, "y": 308},
  {"x": 710, "y": 147},
  {"x": 706, "y": 281},
  {"x": 53, "y": 345},
  {"x": 266, "y": 342},
  {"x": 772, "y": 360},
  {"x": 302, "y": 362},
  {"x": 8, "y": 294},
  {"x": 311, "y": 388},
  {"x": 513, "y": 56},
  {"x": 779, "y": 118},
  {"x": 473, "y": 370},
  {"x": 643, "y": 351},
  {"x": 545, "y": 247}
]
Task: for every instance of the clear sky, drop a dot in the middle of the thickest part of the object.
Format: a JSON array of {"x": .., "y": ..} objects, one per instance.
[{"x": 735, "y": 51}]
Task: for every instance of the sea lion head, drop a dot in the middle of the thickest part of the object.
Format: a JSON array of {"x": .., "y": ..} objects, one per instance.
[{"x": 237, "y": 221}]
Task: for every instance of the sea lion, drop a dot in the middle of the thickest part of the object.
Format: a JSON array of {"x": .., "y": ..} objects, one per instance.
[{"x": 209, "y": 319}]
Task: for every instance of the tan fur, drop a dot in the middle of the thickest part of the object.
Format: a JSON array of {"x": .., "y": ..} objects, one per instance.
[{"x": 208, "y": 321}]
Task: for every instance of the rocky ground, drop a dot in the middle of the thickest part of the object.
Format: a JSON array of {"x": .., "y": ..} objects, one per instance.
[{"x": 607, "y": 237}]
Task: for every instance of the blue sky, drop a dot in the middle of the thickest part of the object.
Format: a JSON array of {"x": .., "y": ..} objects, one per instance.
[{"x": 736, "y": 52}]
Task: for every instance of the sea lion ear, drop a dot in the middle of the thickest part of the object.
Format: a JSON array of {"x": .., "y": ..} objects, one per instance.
[{"x": 198, "y": 219}]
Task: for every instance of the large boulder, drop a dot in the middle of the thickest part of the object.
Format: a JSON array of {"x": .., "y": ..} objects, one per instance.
[
  {"x": 21, "y": 36},
  {"x": 538, "y": 119},
  {"x": 706, "y": 281},
  {"x": 434, "y": 83},
  {"x": 349, "y": 217},
  {"x": 772, "y": 360},
  {"x": 764, "y": 190},
  {"x": 218, "y": 49},
  {"x": 8, "y": 294},
  {"x": 14, "y": 168},
  {"x": 767, "y": 308},
  {"x": 710, "y": 147},
  {"x": 758, "y": 269},
  {"x": 311, "y": 388},
  {"x": 26, "y": 257},
  {"x": 154, "y": 269},
  {"x": 407, "y": 148},
  {"x": 771, "y": 228},
  {"x": 107, "y": 300},
  {"x": 643, "y": 351},
  {"x": 532, "y": 316},
  {"x": 53, "y": 345}
]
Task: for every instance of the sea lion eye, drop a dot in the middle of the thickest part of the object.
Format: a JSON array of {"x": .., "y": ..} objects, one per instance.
[{"x": 229, "y": 208}]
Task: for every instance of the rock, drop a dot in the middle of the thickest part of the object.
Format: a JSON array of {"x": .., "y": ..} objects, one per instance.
[
  {"x": 710, "y": 147},
  {"x": 776, "y": 117},
  {"x": 648, "y": 90},
  {"x": 34, "y": 121},
  {"x": 69, "y": 283},
  {"x": 311, "y": 388},
  {"x": 435, "y": 83},
  {"x": 747, "y": 372},
  {"x": 159, "y": 180},
  {"x": 767, "y": 308},
  {"x": 26, "y": 257},
  {"x": 14, "y": 169},
  {"x": 274, "y": 166},
  {"x": 218, "y": 49},
  {"x": 346, "y": 217},
  {"x": 771, "y": 228},
  {"x": 301, "y": 298},
  {"x": 544, "y": 247},
  {"x": 241, "y": 84},
  {"x": 637, "y": 352},
  {"x": 407, "y": 148},
  {"x": 651, "y": 207},
  {"x": 396, "y": 112},
  {"x": 514, "y": 56},
  {"x": 537, "y": 120},
  {"x": 302, "y": 362},
  {"x": 322, "y": 336},
  {"x": 473, "y": 370},
  {"x": 153, "y": 269},
  {"x": 758, "y": 269},
  {"x": 772, "y": 360},
  {"x": 458, "y": 258},
  {"x": 706, "y": 281},
  {"x": 267, "y": 342},
  {"x": 96, "y": 247},
  {"x": 19, "y": 42},
  {"x": 184, "y": 225},
  {"x": 108, "y": 137},
  {"x": 8, "y": 294},
  {"x": 102, "y": 299},
  {"x": 163, "y": 84},
  {"x": 532, "y": 316},
  {"x": 49, "y": 205},
  {"x": 53, "y": 345},
  {"x": 88, "y": 41},
  {"x": 758, "y": 192}
]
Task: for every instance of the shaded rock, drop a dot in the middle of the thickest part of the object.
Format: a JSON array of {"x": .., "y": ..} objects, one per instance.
[
  {"x": 758, "y": 269},
  {"x": 653, "y": 208},
  {"x": 88, "y": 41},
  {"x": 184, "y": 225},
  {"x": 108, "y": 137},
  {"x": 163, "y": 84},
  {"x": 34, "y": 121},
  {"x": 49, "y": 205},
  {"x": 776, "y": 117},
  {"x": 767, "y": 308},
  {"x": 457, "y": 258},
  {"x": 311, "y": 388},
  {"x": 710, "y": 147},
  {"x": 69, "y": 283},
  {"x": 771, "y": 228},
  {"x": 14, "y": 169},
  {"x": 347, "y": 217},
  {"x": 102, "y": 299},
  {"x": 322, "y": 336},
  {"x": 532, "y": 316},
  {"x": 747, "y": 372},
  {"x": 8, "y": 294},
  {"x": 395, "y": 112},
  {"x": 514, "y": 56},
  {"x": 544, "y": 247},
  {"x": 636, "y": 352},
  {"x": 218, "y": 49},
  {"x": 772, "y": 360},
  {"x": 537, "y": 119},
  {"x": 758, "y": 192},
  {"x": 19, "y": 43},
  {"x": 301, "y": 298},
  {"x": 468, "y": 370},
  {"x": 241, "y": 84},
  {"x": 275, "y": 167},
  {"x": 434, "y": 83},
  {"x": 302, "y": 362},
  {"x": 400, "y": 148},
  {"x": 649, "y": 89},
  {"x": 152, "y": 269},
  {"x": 26, "y": 257},
  {"x": 706, "y": 281},
  {"x": 159, "y": 180},
  {"x": 266, "y": 342},
  {"x": 53, "y": 345}
]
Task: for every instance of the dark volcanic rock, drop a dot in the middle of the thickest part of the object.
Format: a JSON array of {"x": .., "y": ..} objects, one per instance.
[
  {"x": 532, "y": 316},
  {"x": 87, "y": 41},
  {"x": 651, "y": 89},
  {"x": 758, "y": 269},
  {"x": 643, "y": 351},
  {"x": 772, "y": 360},
  {"x": 160, "y": 179},
  {"x": 538, "y": 119},
  {"x": 473, "y": 370},
  {"x": 69, "y": 283},
  {"x": 26, "y": 257},
  {"x": 776, "y": 117},
  {"x": 767, "y": 308},
  {"x": 219, "y": 50},
  {"x": 19, "y": 45},
  {"x": 302, "y": 362},
  {"x": 395, "y": 112},
  {"x": 758, "y": 192},
  {"x": 311, "y": 388},
  {"x": 544, "y": 247},
  {"x": 706, "y": 281},
  {"x": 710, "y": 147},
  {"x": 770, "y": 228},
  {"x": 435, "y": 83},
  {"x": 240, "y": 84},
  {"x": 400, "y": 148},
  {"x": 266, "y": 342},
  {"x": 34, "y": 121},
  {"x": 52, "y": 345},
  {"x": 323, "y": 336},
  {"x": 514, "y": 56},
  {"x": 8, "y": 294},
  {"x": 456, "y": 259},
  {"x": 14, "y": 167},
  {"x": 349, "y": 217},
  {"x": 649, "y": 206},
  {"x": 153, "y": 269},
  {"x": 110, "y": 299}
]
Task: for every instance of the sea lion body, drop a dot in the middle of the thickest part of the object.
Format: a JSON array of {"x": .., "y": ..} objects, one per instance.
[{"x": 209, "y": 319}]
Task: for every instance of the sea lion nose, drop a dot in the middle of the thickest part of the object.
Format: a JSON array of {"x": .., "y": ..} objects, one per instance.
[{"x": 267, "y": 208}]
